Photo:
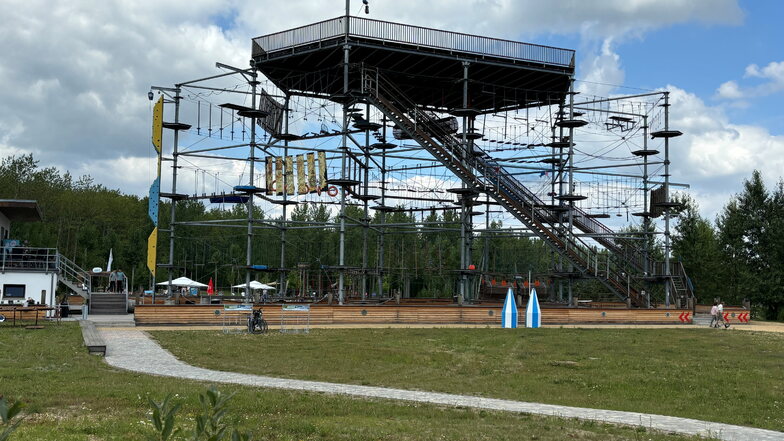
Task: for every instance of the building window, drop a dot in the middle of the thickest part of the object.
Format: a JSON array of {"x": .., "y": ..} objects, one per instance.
[{"x": 15, "y": 291}]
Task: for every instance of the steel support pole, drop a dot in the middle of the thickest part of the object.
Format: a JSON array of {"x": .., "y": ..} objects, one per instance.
[
  {"x": 282, "y": 273},
  {"x": 366, "y": 220},
  {"x": 571, "y": 177},
  {"x": 380, "y": 276},
  {"x": 251, "y": 182},
  {"x": 174, "y": 191},
  {"x": 667, "y": 200},
  {"x": 343, "y": 170},
  {"x": 646, "y": 220},
  {"x": 463, "y": 201}
]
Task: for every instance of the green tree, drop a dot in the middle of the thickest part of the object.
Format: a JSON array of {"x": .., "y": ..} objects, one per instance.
[{"x": 695, "y": 245}]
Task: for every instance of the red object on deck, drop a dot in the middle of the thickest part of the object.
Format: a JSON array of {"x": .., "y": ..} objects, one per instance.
[{"x": 210, "y": 288}]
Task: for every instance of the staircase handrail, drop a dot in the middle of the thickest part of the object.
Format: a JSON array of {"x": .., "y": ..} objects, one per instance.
[
  {"x": 73, "y": 272},
  {"x": 582, "y": 254}
]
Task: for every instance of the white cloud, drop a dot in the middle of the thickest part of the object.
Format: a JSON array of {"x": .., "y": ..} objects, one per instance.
[
  {"x": 75, "y": 74},
  {"x": 730, "y": 90},
  {"x": 772, "y": 74},
  {"x": 602, "y": 73},
  {"x": 509, "y": 18},
  {"x": 715, "y": 155}
]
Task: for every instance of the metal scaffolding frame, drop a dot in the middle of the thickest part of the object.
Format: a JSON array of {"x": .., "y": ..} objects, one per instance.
[{"x": 534, "y": 79}]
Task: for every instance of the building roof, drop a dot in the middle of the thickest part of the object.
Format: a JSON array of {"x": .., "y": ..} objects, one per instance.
[
  {"x": 18, "y": 210},
  {"x": 425, "y": 64}
]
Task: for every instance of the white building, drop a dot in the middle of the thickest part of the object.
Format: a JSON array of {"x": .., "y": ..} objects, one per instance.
[{"x": 25, "y": 272}]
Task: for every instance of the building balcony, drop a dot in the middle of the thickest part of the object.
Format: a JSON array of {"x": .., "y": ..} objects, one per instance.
[{"x": 26, "y": 259}]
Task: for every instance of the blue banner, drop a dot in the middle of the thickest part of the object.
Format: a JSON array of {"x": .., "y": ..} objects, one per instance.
[{"x": 155, "y": 195}]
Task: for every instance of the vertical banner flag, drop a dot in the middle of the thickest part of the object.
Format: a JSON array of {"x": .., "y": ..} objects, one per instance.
[
  {"x": 155, "y": 189},
  {"x": 322, "y": 159},
  {"x": 210, "y": 288},
  {"x": 533, "y": 315},
  {"x": 289, "y": 175},
  {"x": 279, "y": 176},
  {"x": 152, "y": 251},
  {"x": 111, "y": 259},
  {"x": 302, "y": 187},
  {"x": 312, "y": 183},
  {"x": 268, "y": 174},
  {"x": 157, "y": 125},
  {"x": 509, "y": 312},
  {"x": 154, "y": 200}
]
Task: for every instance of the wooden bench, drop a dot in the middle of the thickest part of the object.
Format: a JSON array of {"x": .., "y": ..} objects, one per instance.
[{"x": 92, "y": 339}]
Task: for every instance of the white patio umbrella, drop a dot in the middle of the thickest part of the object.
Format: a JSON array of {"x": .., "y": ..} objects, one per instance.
[
  {"x": 184, "y": 281},
  {"x": 254, "y": 284}
]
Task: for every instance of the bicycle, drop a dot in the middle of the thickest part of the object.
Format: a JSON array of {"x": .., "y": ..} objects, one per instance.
[
  {"x": 720, "y": 321},
  {"x": 256, "y": 323}
]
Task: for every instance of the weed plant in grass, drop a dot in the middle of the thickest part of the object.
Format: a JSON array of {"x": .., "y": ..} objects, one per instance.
[
  {"x": 723, "y": 376},
  {"x": 72, "y": 396}
]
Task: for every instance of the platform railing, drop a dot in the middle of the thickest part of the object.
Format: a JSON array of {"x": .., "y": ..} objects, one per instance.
[
  {"x": 28, "y": 259},
  {"x": 417, "y": 36}
]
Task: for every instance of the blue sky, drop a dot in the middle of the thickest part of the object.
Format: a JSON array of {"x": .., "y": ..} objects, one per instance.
[{"x": 76, "y": 74}]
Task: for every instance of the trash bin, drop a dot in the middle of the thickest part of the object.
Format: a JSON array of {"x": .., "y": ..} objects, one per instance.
[{"x": 64, "y": 311}]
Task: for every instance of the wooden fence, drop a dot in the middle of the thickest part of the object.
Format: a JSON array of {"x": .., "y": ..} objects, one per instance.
[{"x": 409, "y": 314}]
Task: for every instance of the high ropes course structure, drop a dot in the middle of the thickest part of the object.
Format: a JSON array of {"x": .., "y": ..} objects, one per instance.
[{"x": 392, "y": 131}]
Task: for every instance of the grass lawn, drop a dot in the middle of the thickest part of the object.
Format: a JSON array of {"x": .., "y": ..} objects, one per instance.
[
  {"x": 71, "y": 395},
  {"x": 714, "y": 375}
]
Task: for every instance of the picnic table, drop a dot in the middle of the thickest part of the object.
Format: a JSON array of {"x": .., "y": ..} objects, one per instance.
[{"x": 30, "y": 309}]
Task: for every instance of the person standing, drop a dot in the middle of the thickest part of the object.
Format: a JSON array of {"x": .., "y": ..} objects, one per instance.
[
  {"x": 120, "y": 282},
  {"x": 714, "y": 313},
  {"x": 720, "y": 314},
  {"x": 112, "y": 281}
]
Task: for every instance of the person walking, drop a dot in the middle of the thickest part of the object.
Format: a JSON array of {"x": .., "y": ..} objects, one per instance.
[
  {"x": 714, "y": 314},
  {"x": 720, "y": 315}
]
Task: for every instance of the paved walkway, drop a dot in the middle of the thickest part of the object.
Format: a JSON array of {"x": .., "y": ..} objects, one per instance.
[{"x": 134, "y": 350}]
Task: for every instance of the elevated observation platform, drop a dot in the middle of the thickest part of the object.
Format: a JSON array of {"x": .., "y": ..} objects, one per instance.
[{"x": 426, "y": 64}]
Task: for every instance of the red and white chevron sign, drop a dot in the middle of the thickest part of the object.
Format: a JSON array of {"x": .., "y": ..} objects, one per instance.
[
  {"x": 743, "y": 317},
  {"x": 684, "y": 317}
]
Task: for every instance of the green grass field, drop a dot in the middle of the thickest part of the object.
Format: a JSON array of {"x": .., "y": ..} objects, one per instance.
[
  {"x": 71, "y": 395},
  {"x": 725, "y": 376}
]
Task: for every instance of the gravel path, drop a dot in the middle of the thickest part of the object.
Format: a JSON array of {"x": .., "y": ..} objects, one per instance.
[{"x": 134, "y": 350}]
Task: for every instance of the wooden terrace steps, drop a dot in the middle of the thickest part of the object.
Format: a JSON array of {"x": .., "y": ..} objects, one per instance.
[{"x": 105, "y": 304}]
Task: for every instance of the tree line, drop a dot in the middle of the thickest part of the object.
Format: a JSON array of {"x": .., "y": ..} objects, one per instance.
[{"x": 735, "y": 257}]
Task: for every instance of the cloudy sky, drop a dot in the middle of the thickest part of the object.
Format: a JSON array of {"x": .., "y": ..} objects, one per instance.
[{"x": 75, "y": 75}]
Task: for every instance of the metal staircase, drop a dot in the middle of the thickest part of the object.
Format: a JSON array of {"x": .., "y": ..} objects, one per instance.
[
  {"x": 73, "y": 277},
  {"x": 681, "y": 285},
  {"x": 615, "y": 268}
]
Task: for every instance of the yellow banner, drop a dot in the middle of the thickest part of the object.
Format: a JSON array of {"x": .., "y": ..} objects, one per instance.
[
  {"x": 152, "y": 251},
  {"x": 268, "y": 175},
  {"x": 322, "y": 159},
  {"x": 157, "y": 125}
]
